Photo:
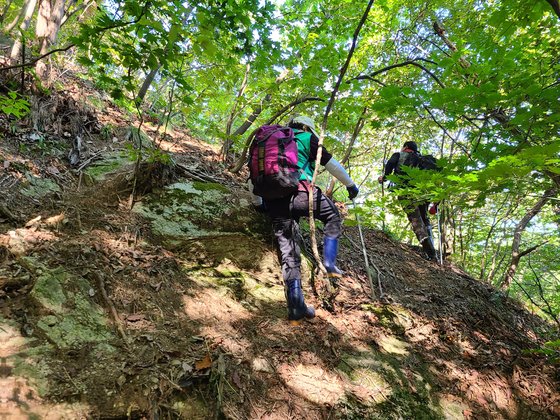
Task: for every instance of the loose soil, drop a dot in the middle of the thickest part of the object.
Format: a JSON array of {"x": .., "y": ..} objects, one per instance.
[{"x": 199, "y": 331}]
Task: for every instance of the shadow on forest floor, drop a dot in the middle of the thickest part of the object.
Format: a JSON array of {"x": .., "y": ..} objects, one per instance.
[{"x": 103, "y": 316}]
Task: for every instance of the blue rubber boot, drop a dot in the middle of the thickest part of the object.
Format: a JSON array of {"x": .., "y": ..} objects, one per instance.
[
  {"x": 297, "y": 309},
  {"x": 330, "y": 250}
]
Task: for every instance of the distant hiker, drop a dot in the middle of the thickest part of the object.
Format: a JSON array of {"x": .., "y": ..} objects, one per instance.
[
  {"x": 286, "y": 211},
  {"x": 416, "y": 211}
]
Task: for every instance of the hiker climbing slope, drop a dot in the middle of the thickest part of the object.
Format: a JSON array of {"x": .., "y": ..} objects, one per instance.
[
  {"x": 285, "y": 211},
  {"x": 416, "y": 210}
]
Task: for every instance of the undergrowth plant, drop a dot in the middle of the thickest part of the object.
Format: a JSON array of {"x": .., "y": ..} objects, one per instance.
[{"x": 12, "y": 105}]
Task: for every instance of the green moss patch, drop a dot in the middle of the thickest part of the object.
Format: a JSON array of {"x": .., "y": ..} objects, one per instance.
[
  {"x": 110, "y": 163},
  {"x": 392, "y": 317},
  {"x": 394, "y": 391},
  {"x": 39, "y": 187},
  {"x": 189, "y": 210},
  {"x": 71, "y": 318}
]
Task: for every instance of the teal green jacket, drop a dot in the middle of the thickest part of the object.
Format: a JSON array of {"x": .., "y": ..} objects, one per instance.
[
  {"x": 308, "y": 145},
  {"x": 303, "y": 140}
]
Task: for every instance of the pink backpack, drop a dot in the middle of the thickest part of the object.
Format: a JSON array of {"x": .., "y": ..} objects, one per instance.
[{"x": 273, "y": 162}]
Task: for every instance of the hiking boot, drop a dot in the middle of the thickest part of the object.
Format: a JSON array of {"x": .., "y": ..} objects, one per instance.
[
  {"x": 330, "y": 251},
  {"x": 297, "y": 309},
  {"x": 429, "y": 250}
]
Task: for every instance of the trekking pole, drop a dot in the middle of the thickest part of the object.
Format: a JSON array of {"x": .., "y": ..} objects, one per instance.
[
  {"x": 373, "y": 297},
  {"x": 440, "y": 238}
]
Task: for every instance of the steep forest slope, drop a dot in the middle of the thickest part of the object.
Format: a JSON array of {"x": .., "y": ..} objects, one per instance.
[{"x": 175, "y": 308}]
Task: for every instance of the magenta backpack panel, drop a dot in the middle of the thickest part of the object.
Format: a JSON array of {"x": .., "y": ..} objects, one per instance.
[{"x": 273, "y": 161}]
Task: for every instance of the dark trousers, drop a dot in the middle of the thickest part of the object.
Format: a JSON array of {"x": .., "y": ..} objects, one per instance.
[
  {"x": 285, "y": 214},
  {"x": 417, "y": 215}
]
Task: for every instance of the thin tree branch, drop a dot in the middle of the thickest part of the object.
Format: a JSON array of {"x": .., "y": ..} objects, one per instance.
[
  {"x": 549, "y": 310},
  {"x": 403, "y": 64},
  {"x": 36, "y": 59},
  {"x": 531, "y": 249},
  {"x": 515, "y": 253}
]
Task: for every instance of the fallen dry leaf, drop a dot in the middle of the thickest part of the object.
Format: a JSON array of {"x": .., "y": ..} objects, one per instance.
[
  {"x": 135, "y": 317},
  {"x": 204, "y": 363}
]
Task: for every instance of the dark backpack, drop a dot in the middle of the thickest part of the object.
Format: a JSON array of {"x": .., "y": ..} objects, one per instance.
[
  {"x": 428, "y": 162},
  {"x": 416, "y": 160},
  {"x": 273, "y": 162}
]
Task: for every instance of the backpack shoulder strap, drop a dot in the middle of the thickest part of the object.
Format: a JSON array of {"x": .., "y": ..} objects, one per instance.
[{"x": 403, "y": 157}]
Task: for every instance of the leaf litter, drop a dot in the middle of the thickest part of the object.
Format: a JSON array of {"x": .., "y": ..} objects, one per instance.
[{"x": 199, "y": 329}]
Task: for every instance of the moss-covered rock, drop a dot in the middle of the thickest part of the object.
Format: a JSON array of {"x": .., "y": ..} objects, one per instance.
[
  {"x": 110, "y": 163},
  {"x": 189, "y": 210},
  {"x": 71, "y": 318},
  {"x": 48, "y": 290},
  {"x": 36, "y": 187},
  {"x": 138, "y": 138}
]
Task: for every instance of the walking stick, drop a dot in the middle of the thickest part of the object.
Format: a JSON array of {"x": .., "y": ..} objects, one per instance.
[
  {"x": 373, "y": 297},
  {"x": 440, "y": 238}
]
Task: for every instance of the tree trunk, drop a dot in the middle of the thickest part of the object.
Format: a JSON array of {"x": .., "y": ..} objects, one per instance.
[
  {"x": 259, "y": 108},
  {"x": 515, "y": 253},
  {"x": 556, "y": 6},
  {"x": 147, "y": 83},
  {"x": 152, "y": 74},
  {"x": 27, "y": 13},
  {"x": 49, "y": 20},
  {"x": 229, "y": 141}
]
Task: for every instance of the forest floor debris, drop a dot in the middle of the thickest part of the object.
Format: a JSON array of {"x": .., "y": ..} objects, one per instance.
[{"x": 199, "y": 328}]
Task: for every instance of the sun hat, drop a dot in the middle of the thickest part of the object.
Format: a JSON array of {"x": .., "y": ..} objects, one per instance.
[{"x": 308, "y": 122}]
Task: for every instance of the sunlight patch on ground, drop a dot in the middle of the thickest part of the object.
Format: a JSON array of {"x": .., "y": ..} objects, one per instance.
[
  {"x": 228, "y": 339},
  {"x": 217, "y": 313},
  {"x": 269, "y": 270},
  {"x": 20, "y": 241},
  {"x": 266, "y": 292},
  {"x": 313, "y": 383},
  {"x": 453, "y": 408},
  {"x": 390, "y": 344},
  {"x": 421, "y": 332},
  {"x": 210, "y": 306},
  {"x": 370, "y": 386},
  {"x": 489, "y": 390},
  {"x": 11, "y": 341},
  {"x": 367, "y": 373},
  {"x": 18, "y": 399},
  {"x": 111, "y": 243}
]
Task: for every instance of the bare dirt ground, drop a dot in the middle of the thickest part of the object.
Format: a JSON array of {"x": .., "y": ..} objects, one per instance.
[{"x": 200, "y": 331}]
